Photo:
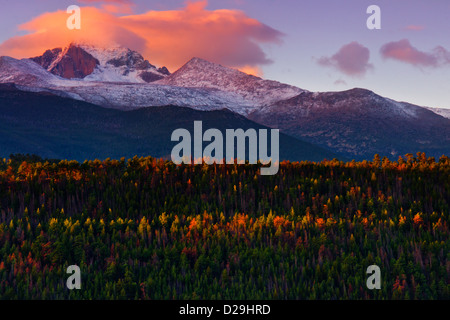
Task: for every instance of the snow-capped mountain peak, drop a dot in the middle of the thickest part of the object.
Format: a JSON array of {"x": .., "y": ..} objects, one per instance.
[
  {"x": 107, "y": 64},
  {"x": 200, "y": 73}
]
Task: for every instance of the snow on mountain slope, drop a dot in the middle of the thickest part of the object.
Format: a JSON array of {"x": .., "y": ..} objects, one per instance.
[
  {"x": 128, "y": 96},
  {"x": 115, "y": 83},
  {"x": 440, "y": 111},
  {"x": 30, "y": 76},
  {"x": 358, "y": 123},
  {"x": 119, "y": 64},
  {"x": 359, "y": 100},
  {"x": 199, "y": 73},
  {"x": 25, "y": 72}
]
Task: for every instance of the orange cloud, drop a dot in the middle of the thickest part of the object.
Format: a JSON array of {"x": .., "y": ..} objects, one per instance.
[
  {"x": 49, "y": 31},
  {"x": 118, "y": 8},
  {"x": 254, "y": 71},
  {"x": 113, "y": 6},
  {"x": 170, "y": 38}
]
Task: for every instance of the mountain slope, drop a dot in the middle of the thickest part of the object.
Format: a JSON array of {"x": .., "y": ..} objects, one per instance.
[
  {"x": 56, "y": 127},
  {"x": 440, "y": 111},
  {"x": 199, "y": 73},
  {"x": 24, "y": 72},
  {"x": 128, "y": 92},
  {"x": 359, "y": 123},
  {"x": 356, "y": 123}
]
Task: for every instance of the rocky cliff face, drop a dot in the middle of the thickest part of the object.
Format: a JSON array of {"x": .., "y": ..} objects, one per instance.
[
  {"x": 48, "y": 57},
  {"x": 73, "y": 62}
]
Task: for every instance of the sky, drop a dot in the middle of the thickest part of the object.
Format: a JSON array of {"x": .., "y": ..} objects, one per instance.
[{"x": 317, "y": 45}]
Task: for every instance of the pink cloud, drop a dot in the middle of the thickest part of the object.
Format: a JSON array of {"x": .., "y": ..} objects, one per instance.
[
  {"x": 403, "y": 51},
  {"x": 108, "y": 1},
  {"x": 413, "y": 27},
  {"x": 352, "y": 59},
  {"x": 169, "y": 38}
]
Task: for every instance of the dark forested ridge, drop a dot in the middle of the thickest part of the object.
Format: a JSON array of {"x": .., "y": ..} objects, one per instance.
[
  {"x": 148, "y": 229},
  {"x": 52, "y": 126}
]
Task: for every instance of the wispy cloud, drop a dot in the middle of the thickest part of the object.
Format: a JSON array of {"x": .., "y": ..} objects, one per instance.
[
  {"x": 340, "y": 82},
  {"x": 413, "y": 27}
]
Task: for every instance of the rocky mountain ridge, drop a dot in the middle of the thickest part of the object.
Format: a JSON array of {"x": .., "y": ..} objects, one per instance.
[{"x": 355, "y": 123}]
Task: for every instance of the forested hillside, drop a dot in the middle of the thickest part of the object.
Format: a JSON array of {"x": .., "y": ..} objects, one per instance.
[{"x": 147, "y": 229}]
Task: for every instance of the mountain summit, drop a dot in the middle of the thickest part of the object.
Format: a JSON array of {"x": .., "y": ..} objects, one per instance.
[
  {"x": 199, "y": 73},
  {"x": 90, "y": 63}
]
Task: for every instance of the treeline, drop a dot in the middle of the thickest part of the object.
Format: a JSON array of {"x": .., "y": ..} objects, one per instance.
[{"x": 145, "y": 228}]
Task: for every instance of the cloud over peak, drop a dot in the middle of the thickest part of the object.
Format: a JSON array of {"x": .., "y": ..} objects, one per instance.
[{"x": 170, "y": 38}]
